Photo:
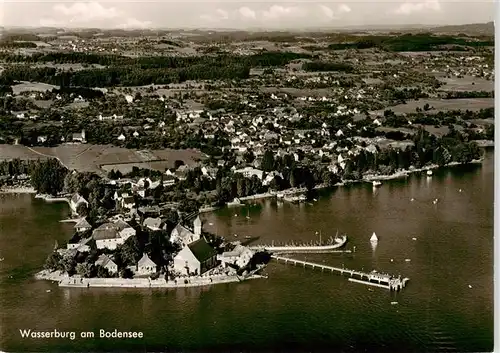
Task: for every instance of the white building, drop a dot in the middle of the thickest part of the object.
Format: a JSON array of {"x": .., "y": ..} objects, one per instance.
[
  {"x": 77, "y": 200},
  {"x": 145, "y": 266},
  {"x": 110, "y": 235},
  {"x": 107, "y": 263},
  {"x": 185, "y": 236},
  {"x": 239, "y": 256},
  {"x": 82, "y": 225},
  {"x": 195, "y": 258},
  {"x": 248, "y": 172}
]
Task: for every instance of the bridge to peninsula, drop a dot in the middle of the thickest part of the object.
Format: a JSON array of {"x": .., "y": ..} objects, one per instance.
[{"x": 372, "y": 278}]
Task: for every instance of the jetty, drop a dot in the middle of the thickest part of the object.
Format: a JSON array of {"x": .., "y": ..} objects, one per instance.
[
  {"x": 337, "y": 243},
  {"x": 373, "y": 278}
]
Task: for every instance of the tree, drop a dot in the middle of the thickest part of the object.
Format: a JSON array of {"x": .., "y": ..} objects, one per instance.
[
  {"x": 84, "y": 269},
  {"x": 53, "y": 262},
  {"x": 48, "y": 176},
  {"x": 102, "y": 272},
  {"x": 267, "y": 163},
  {"x": 178, "y": 163},
  {"x": 129, "y": 252},
  {"x": 82, "y": 209}
]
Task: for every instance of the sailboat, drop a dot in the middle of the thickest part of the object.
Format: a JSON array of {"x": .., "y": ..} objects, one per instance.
[{"x": 374, "y": 238}]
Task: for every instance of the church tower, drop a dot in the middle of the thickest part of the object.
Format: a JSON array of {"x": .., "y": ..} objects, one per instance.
[{"x": 197, "y": 226}]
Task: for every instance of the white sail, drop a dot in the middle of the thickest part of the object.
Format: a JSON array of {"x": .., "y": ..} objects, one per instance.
[{"x": 374, "y": 237}]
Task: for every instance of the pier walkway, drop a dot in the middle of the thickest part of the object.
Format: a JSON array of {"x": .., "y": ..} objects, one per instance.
[{"x": 373, "y": 278}]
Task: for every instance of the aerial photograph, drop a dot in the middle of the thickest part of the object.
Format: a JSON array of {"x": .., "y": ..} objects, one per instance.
[{"x": 234, "y": 176}]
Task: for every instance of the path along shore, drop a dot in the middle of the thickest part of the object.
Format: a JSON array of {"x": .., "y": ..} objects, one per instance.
[{"x": 66, "y": 281}]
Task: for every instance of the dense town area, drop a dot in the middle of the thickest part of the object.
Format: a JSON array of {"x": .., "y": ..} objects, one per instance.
[{"x": 139, "y": 132}]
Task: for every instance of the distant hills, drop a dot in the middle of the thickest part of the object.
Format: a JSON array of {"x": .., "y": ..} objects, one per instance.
[
  {"x": 487, "y": 29},
  {"x": 475, "y": 28}
]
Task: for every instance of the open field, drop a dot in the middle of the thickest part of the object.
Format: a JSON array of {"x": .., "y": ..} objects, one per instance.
[
  {"x": 472, "y": 104},
  {"x": 32, "y": 86},
  {"x": 467, "y": 83},
  {"x": 8, "y": 152},
  {"x": 102, "y": 158}
]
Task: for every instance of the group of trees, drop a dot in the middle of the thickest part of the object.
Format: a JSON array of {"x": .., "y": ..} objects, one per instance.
[
  {"x": 469, "y": 94},
  {"x": 426, "y": 149},
  {"x": 47, "y": 176},
  {"x": 315, "y": 66},
  {"x": 126, "y": 71},
  {"x": 411, "y": 42}
]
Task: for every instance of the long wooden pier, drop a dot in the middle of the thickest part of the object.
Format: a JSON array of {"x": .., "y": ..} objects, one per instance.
[{"x": 373, "y": 278}]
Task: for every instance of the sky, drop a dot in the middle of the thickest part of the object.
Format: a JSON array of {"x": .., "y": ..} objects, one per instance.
[{"x": 273, "y": 14}]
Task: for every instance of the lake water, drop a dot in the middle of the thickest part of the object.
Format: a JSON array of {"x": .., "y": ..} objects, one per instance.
[{"x": 447, "y": 305}]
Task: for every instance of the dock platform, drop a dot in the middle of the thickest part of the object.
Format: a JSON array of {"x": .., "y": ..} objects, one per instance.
[{"x": 372, "y": 278}]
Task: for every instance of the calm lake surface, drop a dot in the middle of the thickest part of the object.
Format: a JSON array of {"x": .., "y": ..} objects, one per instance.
[{"x": 295, "y": 308}]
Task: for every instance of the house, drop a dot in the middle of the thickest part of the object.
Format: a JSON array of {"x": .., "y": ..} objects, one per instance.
[
  {"x": 41, "y": 139},
  {"x": 168, "y": 180},
  {"x": 121, "y": 137},
  {"x": 76, "y": 201},
  {"x": 153, "y": 223},
  {"x": 79, "y": 137},
  {"x": 145, "y": 266},
  {"x": 184, "y": 236},
  {"x": 239, "y": 256},
  {"x": 124, "y": 229},
  {"x": 128, "y": 202},
  {"x": 195, "y": 258},
  {"x": 248, "y": 172},
  {"x": 107, "y": 236},
  {"x": 107, "y": 263},
  {"x": 81, "y": 246},
  {"x": 82, "y": 225},
  {"x": 119, "y": 195}
]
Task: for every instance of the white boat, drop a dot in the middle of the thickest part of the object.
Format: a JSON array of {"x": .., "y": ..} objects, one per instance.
[
  {"x": 376, "y": 183},
  {"x": 429, "y": 172},
  {"x": 374, "y": 238},
  {"x": 394, "y": 303}
]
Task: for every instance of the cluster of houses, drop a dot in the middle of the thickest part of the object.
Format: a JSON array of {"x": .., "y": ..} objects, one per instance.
[{"x": 195, "y": 258}]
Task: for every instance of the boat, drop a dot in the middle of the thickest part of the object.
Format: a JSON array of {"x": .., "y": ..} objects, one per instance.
[
  {"x": 429, "y": 172},
  {"x": 374, "y": 238},
  {"x": 48, "y": 290},
  {"x": 376, "y": 183},
  {"x": 394, "y": 303},
  {"x": 407, "y": 260},
  {"x": 247, "y": 237}
]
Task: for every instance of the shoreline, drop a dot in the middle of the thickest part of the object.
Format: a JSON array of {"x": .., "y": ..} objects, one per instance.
[
  {"x": 17, "y": 190},
  {"x": 77, "y": 282}
]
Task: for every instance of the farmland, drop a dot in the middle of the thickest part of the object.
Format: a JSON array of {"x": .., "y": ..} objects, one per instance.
[
  {"x": 101, "y": 158},
  {"x": 472, "y": 104}
]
